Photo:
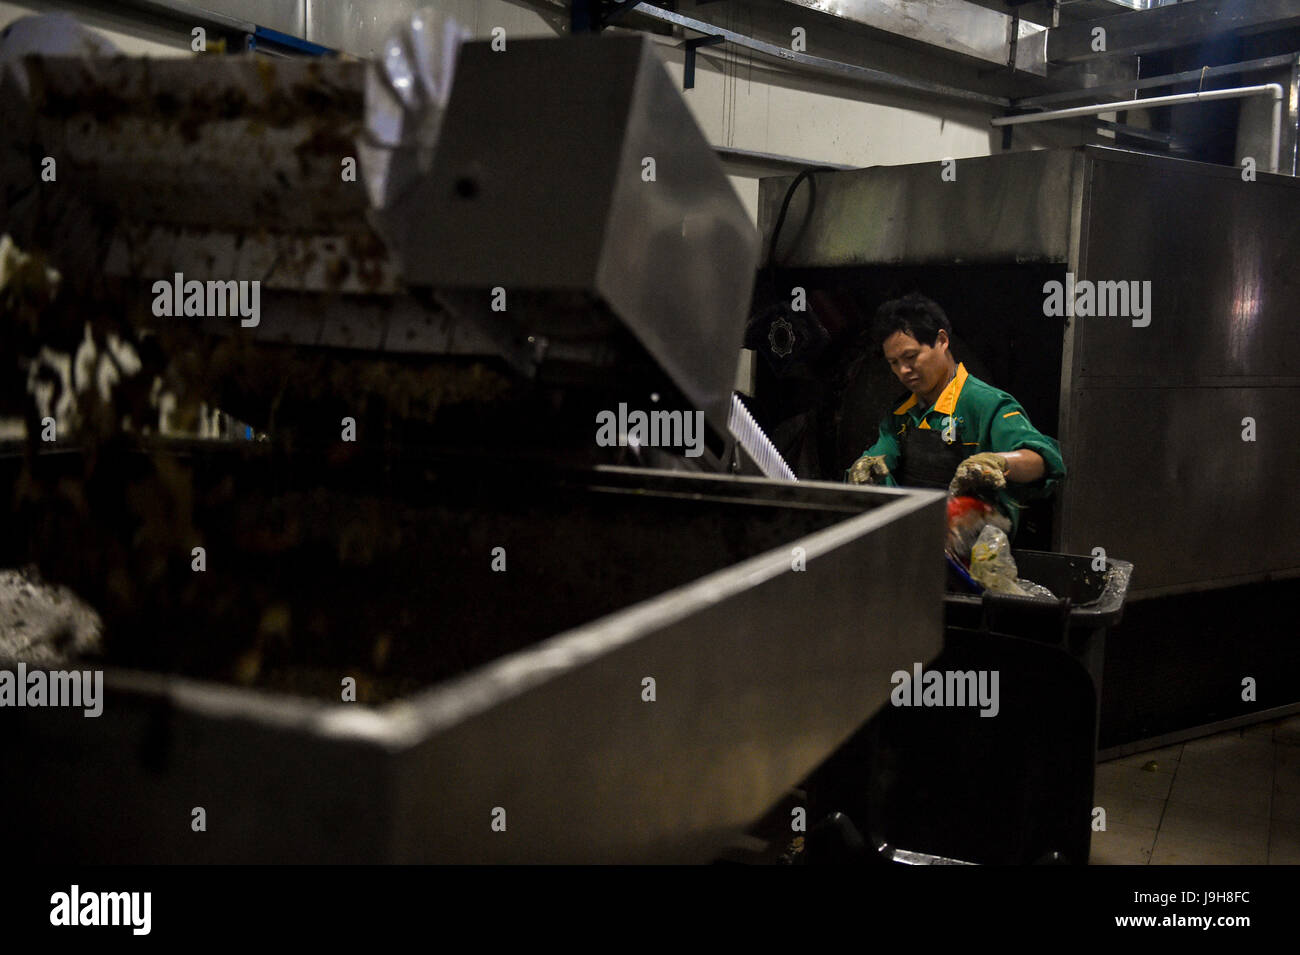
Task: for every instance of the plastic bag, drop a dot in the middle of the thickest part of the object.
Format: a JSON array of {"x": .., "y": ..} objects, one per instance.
[
  {"x": 992, "y": 566},
  {"x": 967, "y": 517}
]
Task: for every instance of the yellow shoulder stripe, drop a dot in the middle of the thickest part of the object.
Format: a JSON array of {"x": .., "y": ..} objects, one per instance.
[{"x": 1010, "y": 413}]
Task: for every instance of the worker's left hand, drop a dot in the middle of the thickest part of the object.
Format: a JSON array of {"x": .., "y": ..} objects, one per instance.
[{"x": 984, "y": 472}]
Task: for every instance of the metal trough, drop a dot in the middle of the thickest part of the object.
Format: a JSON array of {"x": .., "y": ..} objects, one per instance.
[{"x": 613, "y": 576}]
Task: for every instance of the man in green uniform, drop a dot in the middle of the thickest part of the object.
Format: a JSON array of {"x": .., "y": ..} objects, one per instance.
[{"x": 954, "y": 431}]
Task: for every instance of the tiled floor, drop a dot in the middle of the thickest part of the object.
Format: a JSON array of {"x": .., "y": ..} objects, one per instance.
[{"x": 1230, "y": 799}]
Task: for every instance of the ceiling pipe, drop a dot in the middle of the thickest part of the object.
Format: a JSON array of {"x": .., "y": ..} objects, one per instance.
[{"x": 1266, "y": 89}]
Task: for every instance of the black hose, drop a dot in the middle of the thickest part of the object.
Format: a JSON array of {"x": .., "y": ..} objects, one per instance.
[{"x": 785, "y": 207}]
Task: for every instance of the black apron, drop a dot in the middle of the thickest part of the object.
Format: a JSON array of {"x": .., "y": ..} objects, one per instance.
[{"x": 925, "y": 459}]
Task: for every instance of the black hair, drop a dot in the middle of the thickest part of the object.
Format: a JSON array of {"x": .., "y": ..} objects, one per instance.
[{"x": 913, "y": 315}]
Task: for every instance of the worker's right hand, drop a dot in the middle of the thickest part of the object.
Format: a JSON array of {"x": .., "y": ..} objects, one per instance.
[{"x": 868, "y": 469}]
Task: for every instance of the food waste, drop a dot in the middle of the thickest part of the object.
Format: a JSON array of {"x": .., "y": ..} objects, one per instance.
[{"x": 977, "y": 539}]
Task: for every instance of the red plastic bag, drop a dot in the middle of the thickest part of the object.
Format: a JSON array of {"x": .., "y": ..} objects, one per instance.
[{"x": 967, "y": 516}]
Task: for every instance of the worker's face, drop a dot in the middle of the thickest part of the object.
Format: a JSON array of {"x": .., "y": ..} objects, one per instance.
[{"x": 921, "y": 368}]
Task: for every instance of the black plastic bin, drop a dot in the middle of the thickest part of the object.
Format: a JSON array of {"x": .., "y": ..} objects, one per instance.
[
  {"x": 1015, "y": 789},
  {"x": 1089, "y": 603}
]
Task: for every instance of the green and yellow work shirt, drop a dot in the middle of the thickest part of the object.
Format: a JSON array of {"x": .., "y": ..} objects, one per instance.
[{"x": 980, "y": 418}]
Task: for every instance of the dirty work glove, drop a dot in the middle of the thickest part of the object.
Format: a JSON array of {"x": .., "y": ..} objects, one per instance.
[
  {"x": 868, "y": 469},
  {"x": 980, "y": 472}
]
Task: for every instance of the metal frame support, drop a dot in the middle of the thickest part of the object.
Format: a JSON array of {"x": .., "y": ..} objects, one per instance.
[{"x": 688, "y": 75}]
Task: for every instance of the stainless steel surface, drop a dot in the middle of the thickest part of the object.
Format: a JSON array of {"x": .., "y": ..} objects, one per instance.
[
  {"x": 1002, "y": 208},
  {"x": 1169, "y": 79},
  {"x": 1094, "y": 74},
  {"x": 952, "y": 25},
  {"x": 287, "y": 16},
  {"x": 1256, "y": 118},
  {"x": 757, "y": 158},
  {"x": 1150, "y": 417},
  {"x": 1167, "y": 140},
  {"x": 756, "y": 443},
  {"x": 1183, "y": 24},
  {"x": 1195, "y": 732},
  {"x": 672, "y": 257},
  {"x": 360, "y": 26},
  {"x": 761, "y": 670},
  {"x": 822, "y": 64},
  {"x": 1272, "y": 90},
  {"x": 1219, "y": 254},
  {"x": 199, "y": 14},
  {"x": 906, "y": 857},
  {"x": 1144, "y": 4}
]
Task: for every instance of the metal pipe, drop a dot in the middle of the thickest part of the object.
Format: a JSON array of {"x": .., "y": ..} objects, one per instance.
[{"x": 1266, "y": 89}]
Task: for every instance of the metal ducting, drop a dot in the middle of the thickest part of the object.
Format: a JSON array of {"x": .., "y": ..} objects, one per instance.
[{"x": 952, "y": 25}]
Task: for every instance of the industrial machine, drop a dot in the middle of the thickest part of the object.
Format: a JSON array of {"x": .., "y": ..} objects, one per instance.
[{"x": 409, "y": 606}]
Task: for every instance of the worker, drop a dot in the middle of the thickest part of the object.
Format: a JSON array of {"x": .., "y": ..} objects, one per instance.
[{"x": 953, "y": 431}]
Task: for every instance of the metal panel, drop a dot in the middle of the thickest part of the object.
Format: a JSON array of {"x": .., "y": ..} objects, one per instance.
[
  {"x": 358, "y": 27},
  {"x": 954, "y": 25},
  {"x": 1162, "y": 477},
  {"x": 822, "y": 64},
  {"x": 287, "y": 16},
  {"x": 1160, "y": 473},
  {"x": 1129, "y": 84},
  {"x": 1255, "y": 120},
  {"x": 1183, "y": 24},
  {"x": 757, "y": 685},
  {"x": 550, "y": 196},
  {"x": 761, "y": 672},
  {"x": 1005, "y": 208},
  {"x": 688, "y": 223},
  {"x": 1220, "y": 256}
]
